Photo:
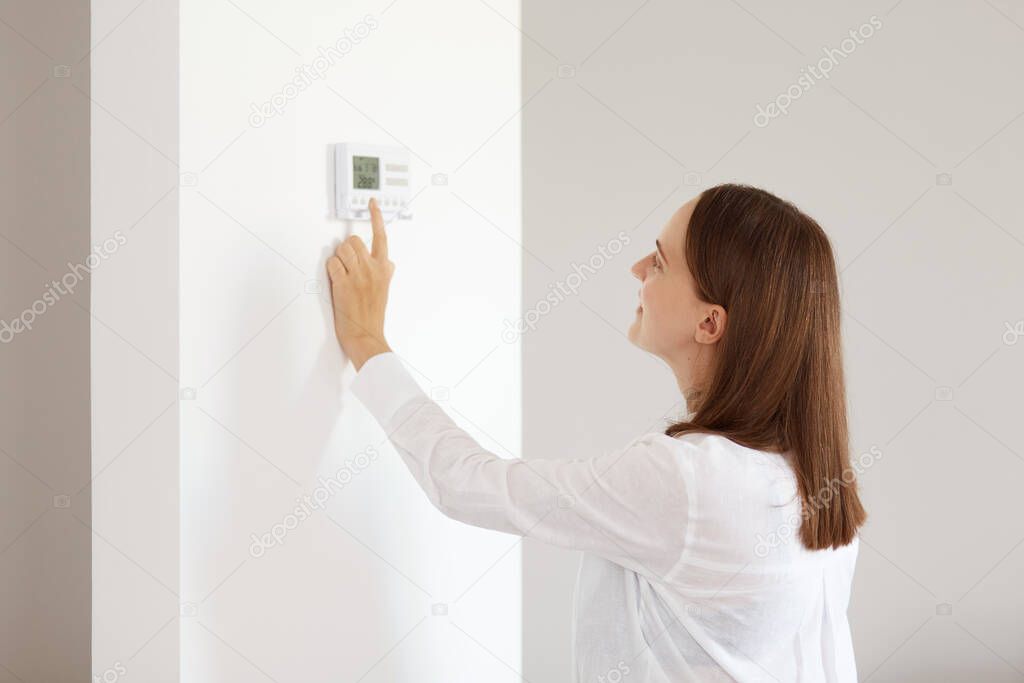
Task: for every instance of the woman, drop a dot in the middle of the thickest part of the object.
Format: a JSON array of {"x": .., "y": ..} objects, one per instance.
[{"x": 722, "y": 549}]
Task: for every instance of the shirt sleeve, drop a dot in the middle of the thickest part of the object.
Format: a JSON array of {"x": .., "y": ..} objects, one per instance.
[{"x": 629, "y": 505}]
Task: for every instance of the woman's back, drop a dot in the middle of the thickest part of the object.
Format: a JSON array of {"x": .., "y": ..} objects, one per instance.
[{"x": 744, "y": 600}]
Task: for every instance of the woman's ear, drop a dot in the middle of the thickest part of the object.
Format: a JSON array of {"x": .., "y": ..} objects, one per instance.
[{"x": 712, "y": 326}]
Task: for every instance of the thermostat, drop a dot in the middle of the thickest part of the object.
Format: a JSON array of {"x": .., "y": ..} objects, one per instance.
[{"x": 363, "y": 171}]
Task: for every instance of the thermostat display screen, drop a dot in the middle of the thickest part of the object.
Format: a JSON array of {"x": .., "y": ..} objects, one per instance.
[
  {"x": 366, "y": 173},
  {"x": 363, "y": 172}
]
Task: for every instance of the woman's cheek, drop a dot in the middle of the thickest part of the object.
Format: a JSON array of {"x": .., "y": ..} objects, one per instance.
[
  {"x": 649, "y": 300},
  {"x": 646, "y": 294}
]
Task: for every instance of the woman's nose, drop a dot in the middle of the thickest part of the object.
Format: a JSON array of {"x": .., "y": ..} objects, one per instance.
[{"x": 638, "y": 270}]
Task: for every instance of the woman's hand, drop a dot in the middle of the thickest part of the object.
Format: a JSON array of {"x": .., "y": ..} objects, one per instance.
[{"x": 359, "y": 292}]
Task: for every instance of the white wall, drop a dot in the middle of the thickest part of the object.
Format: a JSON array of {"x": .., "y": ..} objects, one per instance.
[
  {"x": 931, "y": 275},
  {"x": 351, "y": 590},
  {"x": 134, "y": 328}
]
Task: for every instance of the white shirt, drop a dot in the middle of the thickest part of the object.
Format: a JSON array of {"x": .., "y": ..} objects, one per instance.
[{"x": 692, "y": 565}]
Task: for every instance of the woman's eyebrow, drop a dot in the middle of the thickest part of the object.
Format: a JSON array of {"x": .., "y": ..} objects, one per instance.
[{"x": 660, "y": 251}]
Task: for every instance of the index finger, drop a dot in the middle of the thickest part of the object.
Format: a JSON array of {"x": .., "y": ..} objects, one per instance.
[{"x": 379, "y": 248}]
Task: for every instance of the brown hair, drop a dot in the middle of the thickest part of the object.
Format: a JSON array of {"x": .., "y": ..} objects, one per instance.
[{"x": 777, "y": 382}]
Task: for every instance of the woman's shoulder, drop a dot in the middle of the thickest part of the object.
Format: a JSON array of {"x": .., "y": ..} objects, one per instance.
[
  {"x": 715, "y": 456},
  {"x": 711, "y": 444}
]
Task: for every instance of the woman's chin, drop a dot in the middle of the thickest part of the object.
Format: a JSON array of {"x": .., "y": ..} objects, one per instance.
[{"x": 634, "y": 332}]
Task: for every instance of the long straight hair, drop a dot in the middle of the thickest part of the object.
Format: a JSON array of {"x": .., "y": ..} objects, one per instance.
[{"x": 777, "y": 381}]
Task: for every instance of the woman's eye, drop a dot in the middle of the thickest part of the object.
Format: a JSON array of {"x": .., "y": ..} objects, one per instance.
[{"x": 657, "y": 263}]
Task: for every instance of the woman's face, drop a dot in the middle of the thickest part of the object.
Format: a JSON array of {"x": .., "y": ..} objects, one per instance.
[{"x": 671, "y": 320}]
